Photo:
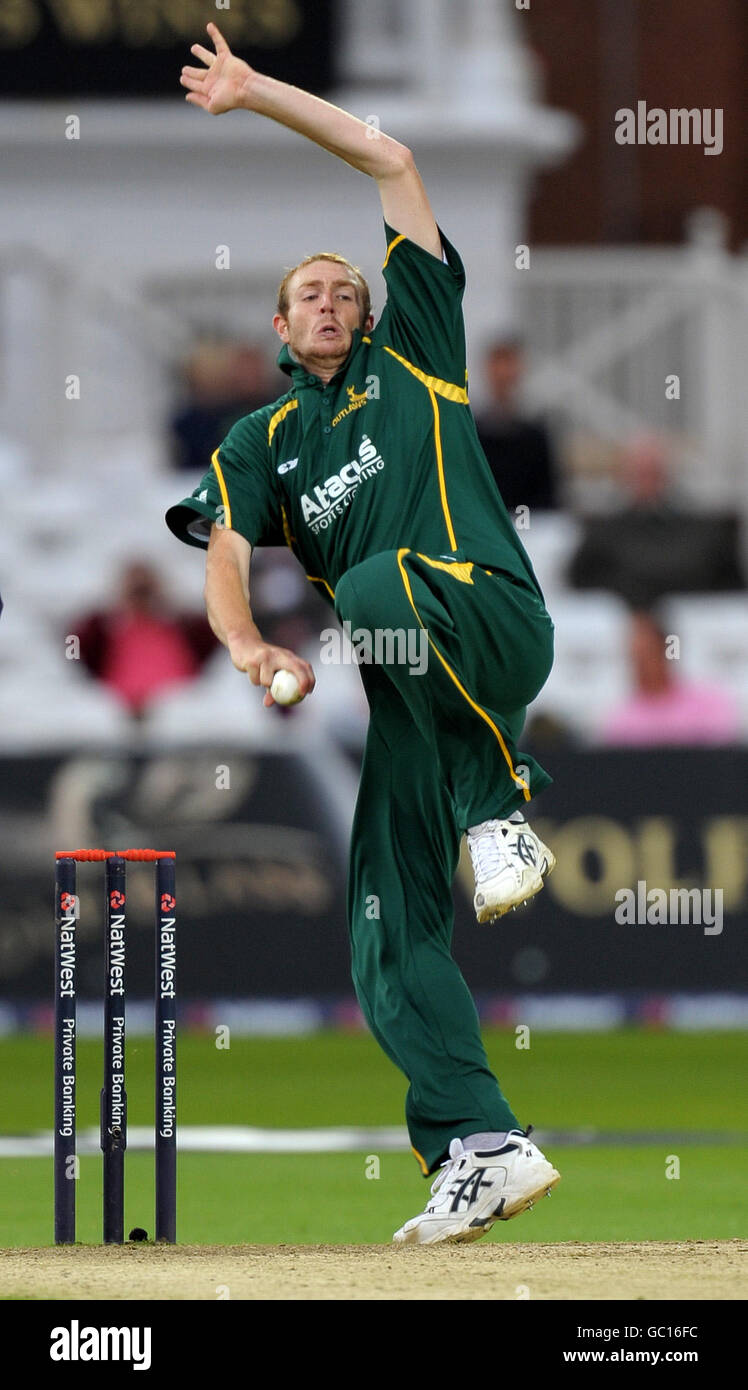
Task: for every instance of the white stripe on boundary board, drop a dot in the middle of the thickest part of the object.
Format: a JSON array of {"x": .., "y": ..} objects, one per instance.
[
  {"x": 225, "y": 1139},
  {"x": 244, "y": 1139}
]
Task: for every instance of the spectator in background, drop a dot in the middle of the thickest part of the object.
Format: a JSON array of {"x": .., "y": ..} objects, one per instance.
[
  {"x": 224, "y": 381},
  {"x": 519, "y": 450},
  {"x": 662, "y": 709},
  {"x": 138, "y": 646},
  {"x": 653, "y": 545}
]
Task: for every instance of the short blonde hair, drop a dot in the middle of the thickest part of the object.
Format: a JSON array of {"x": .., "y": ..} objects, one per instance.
[{"x": 362, "y": 289}]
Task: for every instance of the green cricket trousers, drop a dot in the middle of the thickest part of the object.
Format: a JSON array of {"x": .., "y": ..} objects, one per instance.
[{"x": 440, "y": 756}]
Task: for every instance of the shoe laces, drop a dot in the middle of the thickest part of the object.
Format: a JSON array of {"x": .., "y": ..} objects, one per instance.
[
  {"x": 487, "y": 852},
  {"x": 457, "y": 1151}
]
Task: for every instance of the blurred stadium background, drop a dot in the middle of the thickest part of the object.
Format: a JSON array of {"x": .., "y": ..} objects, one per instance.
[{"x": 141, "y": 245}]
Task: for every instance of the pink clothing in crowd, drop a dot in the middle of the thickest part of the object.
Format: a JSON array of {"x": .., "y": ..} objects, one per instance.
[
  {"x": 685, "y": 714},
  {"x": 145, "y": 654}
]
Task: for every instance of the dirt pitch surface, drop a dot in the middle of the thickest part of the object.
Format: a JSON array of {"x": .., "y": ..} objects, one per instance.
[{"x": 651, "y": 1270}]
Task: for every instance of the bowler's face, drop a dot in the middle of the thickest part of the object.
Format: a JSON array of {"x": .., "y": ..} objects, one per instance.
[{"x": 323, "y": 311}]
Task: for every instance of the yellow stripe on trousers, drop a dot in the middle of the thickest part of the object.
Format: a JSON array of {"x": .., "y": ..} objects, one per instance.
[
  {"x": 518, "y": 781},
  {"x": 421, "y": 1160}
]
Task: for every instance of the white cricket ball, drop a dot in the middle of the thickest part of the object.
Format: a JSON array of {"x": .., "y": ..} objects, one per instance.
[{"x": 285, "y": 688}]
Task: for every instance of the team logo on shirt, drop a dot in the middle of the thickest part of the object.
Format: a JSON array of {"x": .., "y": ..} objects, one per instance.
[
  {"x": 330, "y": 499},
  {"x": 355, "y": 401}
]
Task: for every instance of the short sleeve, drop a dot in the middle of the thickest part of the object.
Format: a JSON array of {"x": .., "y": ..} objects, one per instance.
[
  {"x": 237, "y": 492},
  {"x": 423, "y": 315}
]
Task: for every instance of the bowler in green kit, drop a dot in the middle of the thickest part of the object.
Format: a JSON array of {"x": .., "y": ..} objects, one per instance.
[{"x": 370, "y": 470}]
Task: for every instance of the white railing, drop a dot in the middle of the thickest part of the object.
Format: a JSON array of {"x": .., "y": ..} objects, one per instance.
[
  {"x": 59, "y": 321},
  {"x": 606, "y": 328}
]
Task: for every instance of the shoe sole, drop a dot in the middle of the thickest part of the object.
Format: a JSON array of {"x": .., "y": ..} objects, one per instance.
[
  {"x": 492, "y": 914},
  {"x": 524, "y": 1203}
]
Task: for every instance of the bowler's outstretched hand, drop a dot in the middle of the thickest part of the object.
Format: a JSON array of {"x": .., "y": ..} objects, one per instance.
[{"x": 223, "y": 83}]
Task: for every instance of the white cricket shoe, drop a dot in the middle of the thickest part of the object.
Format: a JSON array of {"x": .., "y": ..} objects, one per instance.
[
  {"x": 509, "y": 863},
  {"x": 473, "y": 1190}
]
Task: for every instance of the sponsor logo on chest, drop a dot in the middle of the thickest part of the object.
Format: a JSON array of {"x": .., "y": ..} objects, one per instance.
[{"x": 329, "y": 500}]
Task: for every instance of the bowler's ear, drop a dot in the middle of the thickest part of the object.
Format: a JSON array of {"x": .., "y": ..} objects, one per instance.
[
  {"x": 369, "y": 324},
  {"x": 281, "y": 327}
]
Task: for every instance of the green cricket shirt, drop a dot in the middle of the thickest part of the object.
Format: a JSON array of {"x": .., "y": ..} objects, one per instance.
[{"x": 384, "y": 456}]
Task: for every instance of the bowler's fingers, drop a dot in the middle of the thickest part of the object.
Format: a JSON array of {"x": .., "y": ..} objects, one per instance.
[
  {"x": 196, "y": 100},
  {"x": 218, "y": 39},
  {"x": 286, "y": 662},
  {"x": 204, "y": 53},
  {"x": 268, "y": 668},
  {"x": 304, "y": 675},
  {"x": 194, "y": 83}
]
